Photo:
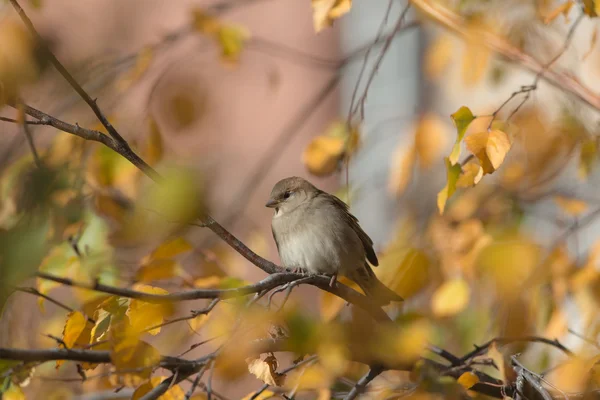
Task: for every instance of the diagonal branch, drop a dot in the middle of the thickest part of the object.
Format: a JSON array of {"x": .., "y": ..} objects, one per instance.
[{"x": 361, "y": 385}]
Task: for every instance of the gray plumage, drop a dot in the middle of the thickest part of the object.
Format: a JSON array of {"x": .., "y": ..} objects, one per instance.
[{"x": 314, "y": 232}]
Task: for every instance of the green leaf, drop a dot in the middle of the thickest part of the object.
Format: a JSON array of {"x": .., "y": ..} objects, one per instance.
[
  {"x": 453, "y": 172},
  {"x": 462, "y": 119}
]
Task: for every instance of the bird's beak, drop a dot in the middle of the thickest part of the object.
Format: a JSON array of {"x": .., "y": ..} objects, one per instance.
[{"x": 272, "y": 203}]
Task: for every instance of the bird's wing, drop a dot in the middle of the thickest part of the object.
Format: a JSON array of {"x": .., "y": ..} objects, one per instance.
[{"x": 353, "y": 222}]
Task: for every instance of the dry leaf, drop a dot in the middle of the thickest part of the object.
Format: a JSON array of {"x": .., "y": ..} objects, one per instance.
[
  {"x": 452, "y": 174},
  {"x": 323, "y": 154},
  {"x": 490, "y": 148},
  {"x": 174, "y": 393},
  {"x": 326, "y": 11},
  {"x": 266, "y": 370},
  {"x": 143, "y": 315},
  {"x": 470, "y": 176}
]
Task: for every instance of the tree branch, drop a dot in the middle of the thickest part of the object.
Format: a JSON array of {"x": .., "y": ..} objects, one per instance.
[{"x": 361, "y": 385}]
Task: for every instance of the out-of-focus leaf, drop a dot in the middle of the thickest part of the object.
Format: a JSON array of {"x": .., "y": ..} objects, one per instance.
[
  {"x": 267, "y": 394},
  {"x": 143, "y": 315},
  {"x": 205, "y": 23},
  {"x": 462, "y": 119},
  {"x": 109, "y": 169},
  {"x": 129, "y": 355},
  {"x": 172, "y": 248},
  {"x": 331, "y": 304},
  {"x": 327, "y": 11},
  {"x": 490, "y": 148},
  {"x": 174, "y": 393},
  {"x": 401, "y": 172},
  {"x": 406, "y": 271},
  {"x": 154, "y": 144},
  {"x": 452, "y": 173},
  {"x": 266, "y": 370},
  {"x": 323, "y": 154},
  {"x": 315, "y": 376},
  {"x": 156, "y": 270},
  {"x": 451, "y": 298},
  {"x": 208, "y": 282},
  {"x": 588, "y": 155},
  {"x": 430, "y": 140},
  {"x": 571, "y": 206},
  {"x": 232, "y": 40},
  {"x": 142, "y": 62},
  {"x": 438, "y": 55},
  {"x": 590, "y": 8},
  {"x": 468, "y": 380},
  {"x": 13, "y": 392},
  {"x": 562, "y": 8},
  {"x": 476, "y": 55}
]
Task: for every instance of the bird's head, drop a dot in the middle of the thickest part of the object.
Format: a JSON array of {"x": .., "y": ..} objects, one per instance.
[{"x": 289, "y": 193}]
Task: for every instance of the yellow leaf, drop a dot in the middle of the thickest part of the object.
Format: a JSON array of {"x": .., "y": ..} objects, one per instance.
[
  {"x": 156, "y": 270},
  {"x": 405, "y": 271},
  {"x": 142, "y": 62},
  {"x": 315, "y": 377},
  {"x": 266, "y": 370},
  {"x": 143, "y": 315},
  {"x": 588, "y": 154},
  {"x": 208, "y": 282},
  {"x": 172, "y": 248},
  {"x": 490, "y": 148},
  {"x": 438, "y": 55},
  {"x": 452, "y": 173},
  {"x": 570, "y": 205},
  {"x": 402, "y": 167},
  {"x": 323, "y": 154},
  {"x": 563, "y": 9},
  {"x": 430, "y": 139},
  {"x": 267, "y": 394},
  {"x": 470, "y": 176},
  {"x": 14, "y": 392},
  {"x": 412, "y": 340},
  {"x": 154, "y": 144},
  {"x": 475, "y": 61},
  {"x": 74, "y": 326},
  {"x": 174, "y": 393},
  {"x": 331, "y": 304},
  {"x": 128, "y": 355},
  {"x": 197, "y": 322},
  {"x": 468, "y": 380},
  {"x": 232, "y": 40},
  {"x": 205, "y": 23},
  {"x": 326, "y": 11},
  {"x": 462, "y": 119},
  {"x": 451, "y": 298}
]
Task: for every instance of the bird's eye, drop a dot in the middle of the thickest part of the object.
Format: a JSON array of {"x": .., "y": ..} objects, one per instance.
[{"x": 287, "y": 195}]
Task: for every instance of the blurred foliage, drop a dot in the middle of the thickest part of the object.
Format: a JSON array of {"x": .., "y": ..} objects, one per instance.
[{"x": 471, "y": 270}]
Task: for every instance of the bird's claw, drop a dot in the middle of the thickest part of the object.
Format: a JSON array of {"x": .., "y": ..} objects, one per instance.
[{"x": 333, "y": 280}]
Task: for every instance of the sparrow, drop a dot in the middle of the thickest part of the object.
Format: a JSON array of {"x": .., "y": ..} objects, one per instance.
[{"x": 316, "y": 234}]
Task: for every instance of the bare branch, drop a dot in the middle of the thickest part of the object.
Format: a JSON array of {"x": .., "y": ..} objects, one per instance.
[{"x": 361, "y": 385}]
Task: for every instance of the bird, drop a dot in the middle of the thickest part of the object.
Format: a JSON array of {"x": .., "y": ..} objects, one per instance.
[{"x": 316, "y": 234}]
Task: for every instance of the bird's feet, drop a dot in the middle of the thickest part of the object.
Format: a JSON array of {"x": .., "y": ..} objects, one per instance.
[{"x": 333, "y": 280}]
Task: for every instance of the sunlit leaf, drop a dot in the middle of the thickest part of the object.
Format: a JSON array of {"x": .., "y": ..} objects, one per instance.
[
  {"x": 439, "y": 55},
  {"x": 323, "y": 154},
  {"x": 470, "y": 176},
  {"x": 172, "y": 248},
  {"x": 402, "y": 168},
  {"x": 406, "y": 270},
  {"x": 490, "y": 148},
  {"x": 468, "y": 380},
  {"x": 326, "y": 11},
  {"x": 462, "y": 119},
  {"x": 74, "y": 326},
  {"x": 430, "y": 140},
  {"x": 451, "y": 298},
  {"x": 266, "y": 370},
  {"x": 571, "y": 206},
  {"x": 315, "y": 376},
  {"x": 134, "y": 355},
  {"x": 143, "y": 315},
  {"x": 562, "y": 8},
  {"x": 156, "y": 270},
  {"x": 174, "y": 393},
  {"x": 208, "y": 282},
  {"x": 452, "y": 173}
]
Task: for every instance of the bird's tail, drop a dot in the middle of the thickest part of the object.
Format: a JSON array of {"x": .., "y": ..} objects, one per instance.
[{"x": 377, "y": 291}]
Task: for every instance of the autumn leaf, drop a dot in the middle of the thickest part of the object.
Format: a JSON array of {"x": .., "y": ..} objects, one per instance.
[
  {"x": 571, "y": 206},
  {"x": 588, "y": 154},
  {"x": 171, "y": 248},
  {"x": 452, "y": 173},
  {"x": 204, "y": 22},
  {"x": 462, "y": 119},
  {"x": 76, "y": 323},
  {"x": 323, "y": 154},
  {"x": 208, "y": 282},
  {"x": 142, "y": 63},
  {"x": 402, "y": 169},
  {"x": 470, "y": 176},
  {"x": 490, "y": 148},
  {"x": 331, "y": 304},
  {"x": 468, "y": 380},
  {"x": 143, "y": 315},
  {"x": 451, "y": 298},
  {"x": 430, "y": 140},
  {"x": 134, "y": 355},
  {"x": 174, "y": 393},
  {"x": 154, "y": 144},
  {"x": 266, "y": 370},
  {"x": 563, "y": 9},
  {"x": 266, "y": 394},
  {"x": 438, "y": 55},
  {"x": 156, "y": 270},
  {"x": 231, "y": 40},
  {"x": 326, "y": 11}
]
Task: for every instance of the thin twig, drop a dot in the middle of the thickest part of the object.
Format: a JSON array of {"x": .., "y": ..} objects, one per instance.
[{"x": 361, "y": 385}]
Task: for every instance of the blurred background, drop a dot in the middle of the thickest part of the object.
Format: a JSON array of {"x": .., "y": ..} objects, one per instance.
[{"x": 362, "y": 109}]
